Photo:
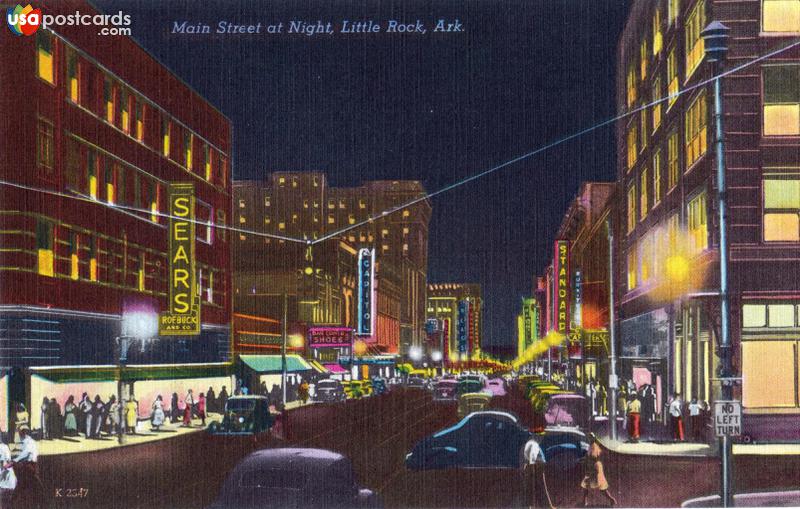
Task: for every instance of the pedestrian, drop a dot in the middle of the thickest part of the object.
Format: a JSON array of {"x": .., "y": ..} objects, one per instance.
[
  {"x": 131, "y": 415},
  {"x": 649, "y": 404},
  {"x": 21, "y": 420},
  {"x": 594, "y": 477},
  {"x": 70, "y": 418},
  {"x": 98, "y": 407},
  {"x": 676, "y": 417},
  {"x": 222, "y": 400},
  {"x": 174, "y": 409},
  {"x": 113, "y": 415},
  {"x": 696, "y": 420},
  {"x": 211, "y": 400},
  {"x": 634, "y": 418},
  {"x": 622, "y": 405},
  {"x": 26, "y": 466},
  {"x": 188, "y": 401},
  {"x": 245, "y": 390},
  {"x": 158, "y": 413},
  {"x": 536, "y": 493},
  {"x": 86, "y": 411},
  {"x": 44, "y": 417},
  {"x": 602, "y": 399},
  {"x": 56, "y": 420},
  {"x": 263, "y": 388},
  {"x": 8, "y": 480},
  {"x": 302, "y": 392},
  {"x": 201, "y": 409}
]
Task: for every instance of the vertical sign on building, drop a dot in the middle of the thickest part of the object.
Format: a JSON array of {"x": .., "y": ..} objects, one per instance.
[
  {"x": 577, "y": 299},
  {"x": 366, "y": 284},
  {"x": 561, "y": 283},
  {"x": 182, "y": 317},
  {"x": 461, "y": 326},
  {"x": 527, "y": 320}
]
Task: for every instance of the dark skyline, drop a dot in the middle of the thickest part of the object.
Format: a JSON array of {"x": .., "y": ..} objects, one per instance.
[{"x": 437, "y": 107}]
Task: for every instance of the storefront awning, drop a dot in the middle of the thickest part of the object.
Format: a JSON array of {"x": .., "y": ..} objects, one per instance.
[
  {"x": 73, "y": 374},
  {"x": 272, "y": 363},
  {"x": 319, "y": 368},
  {"x": 335, "y": 368}
]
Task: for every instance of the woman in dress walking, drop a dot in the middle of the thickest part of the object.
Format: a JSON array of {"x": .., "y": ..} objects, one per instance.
[
  {"x": 594, "y": 477},
  {"x": 158, "y": 413},
  {"x": 70, "y": 420}
]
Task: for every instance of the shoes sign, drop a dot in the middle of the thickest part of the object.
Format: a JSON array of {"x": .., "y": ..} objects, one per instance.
[{"x": 728, "y": 418}]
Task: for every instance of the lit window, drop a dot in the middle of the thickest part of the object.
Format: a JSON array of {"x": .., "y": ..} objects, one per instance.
[
  {"x": 207, "y": 159},
  {"x": 631, "y": 84},
  {"x": 331, "y": 219},
  {"x": 294, "y": 181},
  {"x": 242, "y": 219},
  {"x": 657, "y": 37},
  {"x": 384, "y": 233},
  {"x": 405, "y": 247},
  {"x": 405, "y": 230},
  {"x": 188, "y": 139},
  {"x": 656, "y": 178},
  {"x": 294, "y": 218},
  {"x": 754, "y": 315},
  {"x": 44, "y": 56},
  {"x": 267, "y": 220},
  {"x": 351, "y": 218},
  {"x": 74, "y": 250},
  {"x": 73, "y": 77},
  {"x": 646, "y": 259},
  {"x": 780, "y": 16},
  {"x": 281, "y": 226},
  {"x": 696, "y": 132},
  {"x": 331, "y": 204},
  {"x": 769, "y": 368},
  {"x": 643, "y": 56},
  {"x": 362, "y": 204},
  {"x": 316, "y": 217},
  {"x": 781, "y": 210},
  {"x": 673, "y": 7},
  {"x": 125, "y": 117},
  {"x": 697, "y": 223},
  {"x": 632, "y": 268},
  {"x": 782, "y": 100},
  {"x": 242, "y": 236},
  {"x": 316, "y": 204},
  {"x": 241, "y": 203},
  {"x": 91, "y": 174},
  {"x": 154, "y": 213},
  {"x": 139, "y": 121},
  {"x": 44, "y": 247},
  {"x": 632, "y": 151},
  {"x": 780, "y": 315},
  {"x": 281, "y": 181},
  {"x": 108, "y": 99},
  {"x": 93, "y": 259},
  {"x": 672, "y": 161},
  {"x": 406, "y": 213},
  {"x": 45, "y": 145},
  {"x": 657, "y": 106},
  {"x": 673, "y": 86},
  {"x": 267, "y": 201},
  {"x": 165, "y": 132},
  {"x": 110, "y": 180},
  {"x": 342, "y": 205},
  {"x": 643, "y": 130},
  {"x": 631, "y": 208},
  {"x": 140, "y": 279},
  {"x": 695, "y": 46},
  {"x": 315, "y": 180},
  {"x": 305, "y": 204},
  {"x": 385, "y": 248},
  {"x": 643, "y": 194}
]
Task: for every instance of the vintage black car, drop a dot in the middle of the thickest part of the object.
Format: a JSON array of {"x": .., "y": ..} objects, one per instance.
[
  {"x": 445, "y": 390},
  {"x": 244, "y": 415},
  {"x": 329, "y": 391},
  {"x": 379, "y": 385},
  {"x": 294, "y": 478}
]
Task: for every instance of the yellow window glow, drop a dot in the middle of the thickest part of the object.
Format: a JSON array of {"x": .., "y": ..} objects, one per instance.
[
  {"x": 93, "y": 269},
  {"x": 781, "y": 119},
  {"x": 781, "y": 16},
  {"x": 782, "y": 227},
  {"x": 781, "y": 194},
  {"x": 44, "y": 63},
  {"x": 73, "y": 264},
  {"x": 45, "y": 262},
  {"x": 126, "y": 121},
  {"x": 154, "y": 212},
  {"x": 110, "y": 193},
  {"x": 73, "y": 89},
  {"x": 139, "y": 130},
  {"x": 93, "y": 187},
  {"x": 768, "y": 370}
]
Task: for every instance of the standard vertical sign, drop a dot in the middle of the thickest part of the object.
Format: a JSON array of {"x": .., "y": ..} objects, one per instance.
[
  {"x": 366, "y": 284},
  {"x": 561, "y": 283},
  {"x": 182, "y": 317},
  {"x": 728, "y": 418},
  {"x": 461, "y": 325},
  {"x": 577, "y": 299}
]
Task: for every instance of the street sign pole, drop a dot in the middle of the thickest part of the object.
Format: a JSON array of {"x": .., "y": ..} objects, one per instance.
[{"x": 727, "y": 424}]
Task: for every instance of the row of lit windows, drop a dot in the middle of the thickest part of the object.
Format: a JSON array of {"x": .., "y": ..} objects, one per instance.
[
  {"x": 638, "y": 197},
  {"x": 129, "y": 112}
]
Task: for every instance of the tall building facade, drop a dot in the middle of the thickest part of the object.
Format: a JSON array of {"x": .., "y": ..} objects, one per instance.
[
  {"x": 459, "y": 308},
  {"x": 668, "y": 270},
  {"x": 301, "y": 205},
  {"x": 96, "y": 135}
]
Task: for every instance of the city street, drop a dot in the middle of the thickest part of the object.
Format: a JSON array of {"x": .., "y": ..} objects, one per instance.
[{"x": 376, "y": 433}]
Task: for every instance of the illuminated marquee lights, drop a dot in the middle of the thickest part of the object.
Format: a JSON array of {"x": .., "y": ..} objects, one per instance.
[
  {"x": 183, "y": 316},
  {"x": 461, "y": 326}
]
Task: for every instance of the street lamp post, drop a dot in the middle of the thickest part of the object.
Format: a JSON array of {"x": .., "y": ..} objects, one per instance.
[
  {"x": 715, "y": 37},
  {"x": 283, "y": 348},
  {"x": 124, "y": 345},
  {"x": 612, "y": 339}
]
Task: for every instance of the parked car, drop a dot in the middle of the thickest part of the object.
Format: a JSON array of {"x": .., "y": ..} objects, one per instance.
[
  {"x": 497, "y": 386},
  {"x": 469, "y": 385},
  {"x": 445, "y": 390},
  {"x": 563, "y": 448},
  {"x": 487, "y": 439},
  {"x": 379, "y": 385},
  {"x": 329, "y": 390},
  {"x": 570, "y": 410},
  {"x": 366, "y": 387},
  {"x": 416, "y": 382},
  {"x": 293, "y": 478},
  {"x": 472, "y": 402},
  {"x": 243, "y": 415}
]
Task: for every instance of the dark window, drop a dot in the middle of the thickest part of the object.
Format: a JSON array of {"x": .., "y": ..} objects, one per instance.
[{"x": 45, "y": 145}]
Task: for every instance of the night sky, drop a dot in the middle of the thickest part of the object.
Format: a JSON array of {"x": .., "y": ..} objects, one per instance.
[{"x": 436, "y": 107}]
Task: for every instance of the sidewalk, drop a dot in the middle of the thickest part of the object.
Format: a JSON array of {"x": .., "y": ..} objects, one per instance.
[
  {"x": 72, "y": 445},
  {"x": 686, "y": 449}
]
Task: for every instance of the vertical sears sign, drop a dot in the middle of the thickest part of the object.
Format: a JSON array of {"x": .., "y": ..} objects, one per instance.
[
  {"x": 561, "y": 284},
  {"x": 461, "y": 325},
  {"x": 182, "y": 317},
  {"x": 366, "y": 285}
]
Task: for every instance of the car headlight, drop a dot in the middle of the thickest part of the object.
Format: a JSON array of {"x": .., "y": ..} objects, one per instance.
[{"x": 241, "y": 420}]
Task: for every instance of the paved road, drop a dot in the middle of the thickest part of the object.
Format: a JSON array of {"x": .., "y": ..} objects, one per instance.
[{"x": 376, "y": 433}]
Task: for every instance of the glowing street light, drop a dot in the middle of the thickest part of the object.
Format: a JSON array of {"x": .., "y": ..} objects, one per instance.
[
  {"x": 415, "y": 353},
  {"x": 436, "y": 356}
]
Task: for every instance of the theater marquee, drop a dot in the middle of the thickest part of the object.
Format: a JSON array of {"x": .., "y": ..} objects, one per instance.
[{"x": 183, "y": 316}]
